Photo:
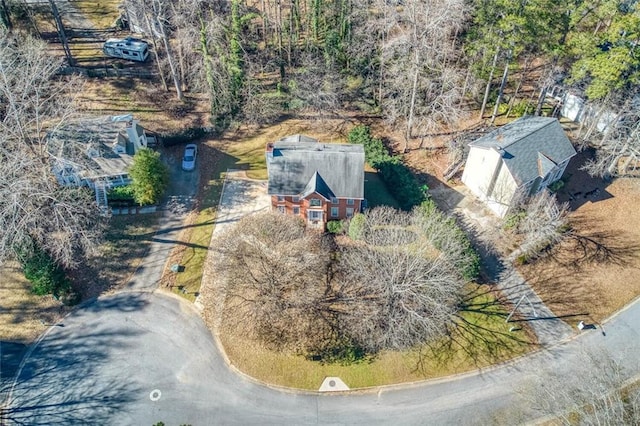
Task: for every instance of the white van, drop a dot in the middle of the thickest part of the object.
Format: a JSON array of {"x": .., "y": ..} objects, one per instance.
[{"x": 127, "y": 48}]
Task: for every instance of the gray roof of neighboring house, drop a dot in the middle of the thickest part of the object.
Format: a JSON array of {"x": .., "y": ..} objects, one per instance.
[
  {"x": 530, "y": 146},
  {"x": 89, "y": 142},
  {"x": 300, "y": 165}
]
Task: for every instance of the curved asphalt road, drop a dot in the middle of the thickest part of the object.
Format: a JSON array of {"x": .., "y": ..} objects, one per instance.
[{"x": 104, "y": 364}]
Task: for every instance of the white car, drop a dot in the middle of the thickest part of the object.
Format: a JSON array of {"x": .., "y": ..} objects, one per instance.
[{"x": 189, "y": 157}]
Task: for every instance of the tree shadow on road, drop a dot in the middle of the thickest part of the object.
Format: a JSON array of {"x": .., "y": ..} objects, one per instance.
[{"x": 63, "y": 382}]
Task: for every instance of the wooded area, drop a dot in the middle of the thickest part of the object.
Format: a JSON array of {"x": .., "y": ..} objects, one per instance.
[{"x": 422, "y": 65}]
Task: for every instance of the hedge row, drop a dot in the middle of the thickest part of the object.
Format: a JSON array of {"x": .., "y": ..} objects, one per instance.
[
  {"x": 396, "y": 176},
  {"x": 453, "y": 240},
  {"x": 183, "y": 136},
  {"x": 121, "y": 193}
]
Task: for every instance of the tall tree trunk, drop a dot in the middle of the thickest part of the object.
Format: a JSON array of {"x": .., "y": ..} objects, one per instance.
[
  {"x": 183, "y": 68},
  {"x": 503, "y": 83},
  {"x": 414, "y": 90},
  {"x": 155, "y": 51},
  {"x": 487, "y": 90},
  {"x": 61, "y": 32},
  {"x": 167, "y": 48},
  {"x": 523, "y": 74},
  {"x": 206, "y": 59},
  {"x": 541, "y": 99},
  {"x": 5, "y": 15}
]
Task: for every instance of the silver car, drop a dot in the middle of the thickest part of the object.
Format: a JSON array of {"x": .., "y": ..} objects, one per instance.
[{"x": 189, "y": 157}]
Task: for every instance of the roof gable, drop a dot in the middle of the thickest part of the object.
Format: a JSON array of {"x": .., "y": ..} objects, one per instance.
[
  {"x": 529, "y": 147},
  {"x": 100, "y": 146},
  {"x": 317, "y": 185},
  {"x": 302, "y": 165}
]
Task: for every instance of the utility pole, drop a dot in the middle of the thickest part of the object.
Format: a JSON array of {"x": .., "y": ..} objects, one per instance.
[{"x": 61, "y": 33}]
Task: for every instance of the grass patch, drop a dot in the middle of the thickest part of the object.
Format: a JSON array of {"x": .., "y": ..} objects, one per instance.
[
  {"x": 480, "y": 337},
  {"x": 21, "y": 310},
  {"x": 375, "y": 190},
  {"x": 127, "y": 240},
  {"x": 250, "y": 156},
  {"x": 102, "y": 13},
  {"x": 187, "y": 283}
]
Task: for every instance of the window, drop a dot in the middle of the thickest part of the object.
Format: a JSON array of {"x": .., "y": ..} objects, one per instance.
[
  {"x": 296, "y": 211},
  {"x": 334, "y": 212},
  {"x": 349, "y": 212},
  {"x": 280, "y": 198},
  {"x": 295, "y": 199},
  {"x": 315, "y": 215},
  {"x": 334, "y": 200},
  {"x": 315, "y": 202},
  {"x": 280, "y": 209},
  {"x": 350, "y": 202}
]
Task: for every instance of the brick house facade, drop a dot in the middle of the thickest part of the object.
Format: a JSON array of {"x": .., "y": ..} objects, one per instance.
[{"x": 317, "y": 182}]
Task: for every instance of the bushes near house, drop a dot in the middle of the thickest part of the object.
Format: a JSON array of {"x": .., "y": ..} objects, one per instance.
[
  {"x": 447, "y": 236},
  {"x": 409, "y": 194},
  {"x": 396, "y": 176},
  {"x": 183, "y": 136},
  {"x": 150, "y": 177},
  {"x": 46, "y": 277},
  {"x": 335, "y": 227},
  {"x": 121, "y": 193},
  {"x": 356, "y": 226}
]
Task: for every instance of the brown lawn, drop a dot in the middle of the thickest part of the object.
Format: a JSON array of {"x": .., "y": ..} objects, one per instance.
[
  {"x": 595, "y": 274},
  {"x": 21, "y": 311}
]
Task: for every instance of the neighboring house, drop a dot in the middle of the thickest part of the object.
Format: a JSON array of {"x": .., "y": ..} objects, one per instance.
[
  {"x": 518, "y": 159},
  {"x": 315, "y": 181},
  {"x": 576, "y": 109},
  {"x": 97, "y": 152}
]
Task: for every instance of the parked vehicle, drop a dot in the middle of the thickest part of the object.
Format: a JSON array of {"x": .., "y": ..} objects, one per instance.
[
  {"x": 189, "y": 157},
  {"x": 127, "y": 48}
]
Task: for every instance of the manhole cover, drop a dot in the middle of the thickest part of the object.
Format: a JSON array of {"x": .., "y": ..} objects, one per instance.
[
  {"x": 155, "y": 395},
  {"x": 332, "y": 383}
]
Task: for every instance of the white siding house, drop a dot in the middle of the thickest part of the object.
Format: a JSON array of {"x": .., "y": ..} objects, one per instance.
[
  {"x": 97, "y": 152},
  {"x": 520, "y": 158}
]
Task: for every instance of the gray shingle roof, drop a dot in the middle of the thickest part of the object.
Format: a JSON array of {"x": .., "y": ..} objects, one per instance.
[
  {"x": 299, "y": 163},
  {"x": 96, "y": 135},
  {"x": 530, "y": 146}
]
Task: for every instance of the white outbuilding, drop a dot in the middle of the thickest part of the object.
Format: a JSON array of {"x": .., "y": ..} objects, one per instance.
[{"x": 520, "y": 158}]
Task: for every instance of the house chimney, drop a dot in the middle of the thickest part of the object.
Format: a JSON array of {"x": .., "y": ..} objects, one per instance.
[{"x": 269, "y": 153}]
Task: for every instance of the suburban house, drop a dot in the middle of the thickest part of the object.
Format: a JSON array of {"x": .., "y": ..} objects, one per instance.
[
  {"x": 518, "y": 159},
  {"x": 97, "y": 152},
  {"x": 316, "y": 181}
]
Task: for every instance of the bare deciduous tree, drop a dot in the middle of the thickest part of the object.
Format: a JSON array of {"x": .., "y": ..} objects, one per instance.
[
  {"x": 274, "y": 273},
  {"x": 393, "y": 289},
  {"x": 34, "y": 207},
  {"x": 618, "y": 141},
  {"x": 597, "y": 394},
  {"x": 541, "y": 224},
  {"x": 411, "y": 290},
  {"x": 425, "y": 91}
]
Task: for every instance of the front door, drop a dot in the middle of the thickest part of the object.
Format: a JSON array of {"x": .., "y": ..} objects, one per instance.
[{"x": 314, "y": 218}]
